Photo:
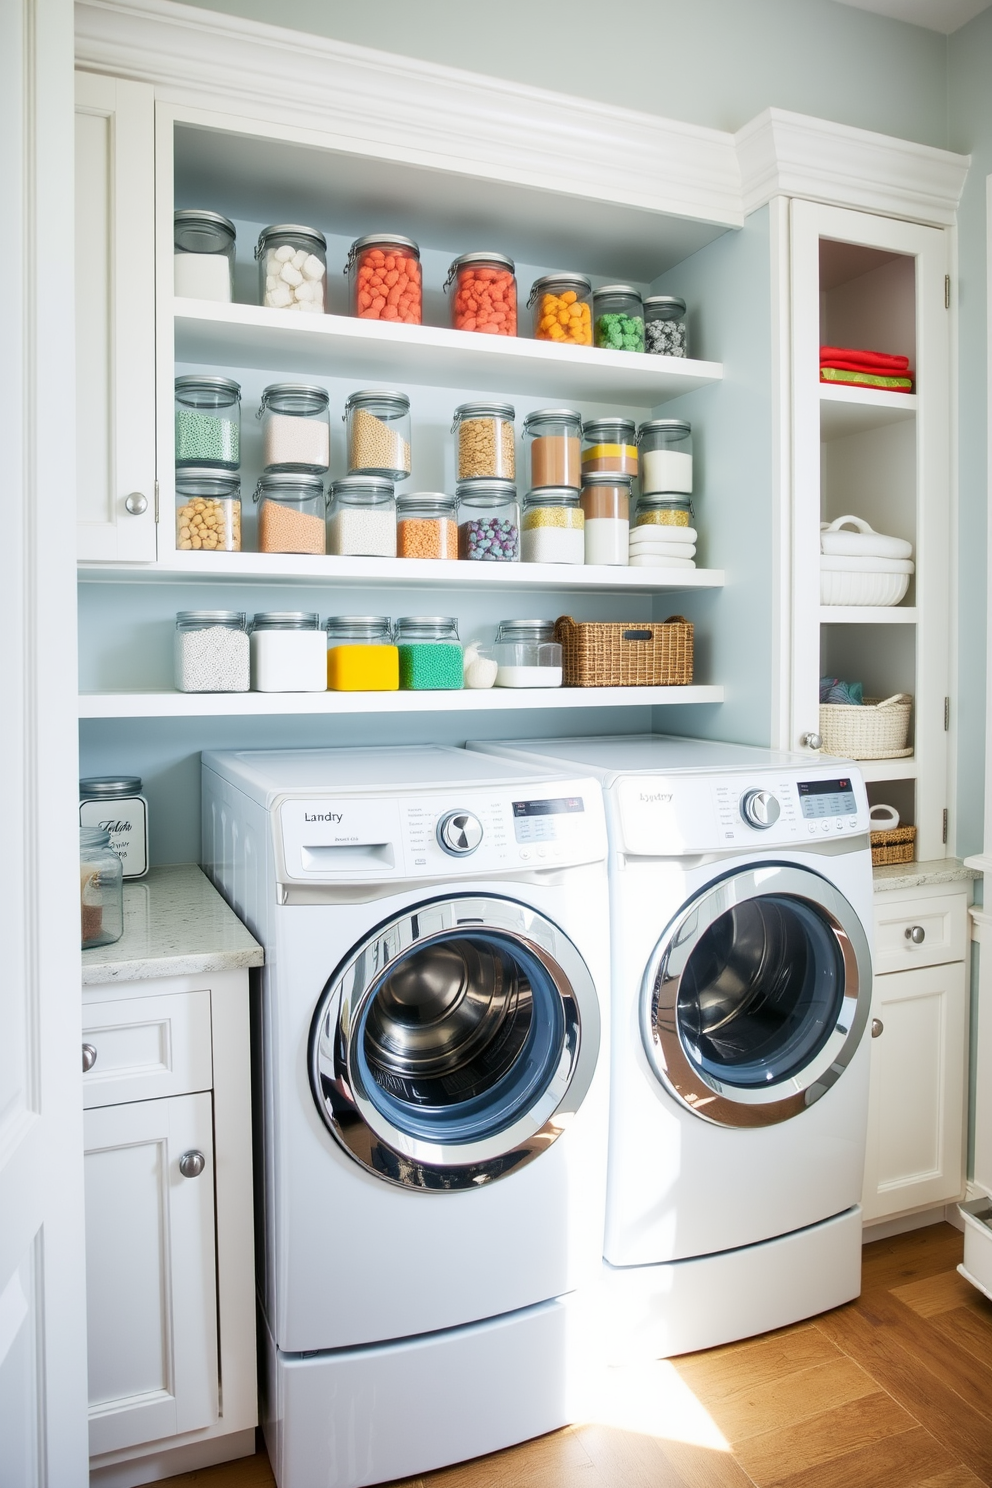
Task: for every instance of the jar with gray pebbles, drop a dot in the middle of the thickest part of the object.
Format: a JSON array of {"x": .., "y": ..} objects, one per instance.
[
  {"x": 664, "y": 326},
  {"x": 212, "y": 651}
]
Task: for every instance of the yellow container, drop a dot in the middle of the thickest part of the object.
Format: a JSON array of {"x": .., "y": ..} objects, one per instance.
[{"x": 363, "y": 669}]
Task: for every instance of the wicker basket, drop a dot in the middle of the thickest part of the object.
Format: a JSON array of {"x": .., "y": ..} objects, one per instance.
[
  {"x": 878, "y": 729},
  {"x": 897, "y": 845},
  {"x": 625, "y": 653}
]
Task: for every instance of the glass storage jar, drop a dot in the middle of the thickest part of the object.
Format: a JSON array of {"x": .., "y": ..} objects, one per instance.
[
  {"x": 426, "y": 525},
  {"x": 527, "y": 654},
  {"x": 663, "y": 511},
  {"x": 101, "y": 889},
  {"x": 609, "y": 444},
  {"x": 361, "y": 656},
  {"x": 114, "y": 804},
  {"x": 562, "y": 309},
  {"x": 665, "y": 447},
  {"x": 554, "y": 439},
  {"x": 664, "y": 326},
  {"x": 605, "y": 502},
  {"x": 552, "y": 526},
  {"x": 291, "y": 513},
  {"x": 296, "y": 432},
  {"x": 288, "y": 652},
  {"x": 363, "y": 518},
  {"x": 484, "y": 435},
  {"x": 203, "y": 262},
  {"x": 378, "y": 423},
  {"x": 212, "y": 651},
  {"x": 485, "y": 294},
  {"x": 488, "y": 521},
  {"x": 386, "y": 278},
  {"x": 430, "y": 653},
  {"x": 208, "y": 511},
  {"x": 292, "y": 268},
  {"x": 618, "y": 318},
  {"x": 208, "y": 422}
]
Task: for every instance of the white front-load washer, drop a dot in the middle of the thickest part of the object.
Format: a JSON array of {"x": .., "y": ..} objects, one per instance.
[
  {"x": 741, "y": 895},
  {"x": 432, "y": 1093}
]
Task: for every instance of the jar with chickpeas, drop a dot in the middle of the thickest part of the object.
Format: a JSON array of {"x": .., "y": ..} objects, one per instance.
[
  {"x": 562, "y": 305},
  {"x": 208, "y": 511}
]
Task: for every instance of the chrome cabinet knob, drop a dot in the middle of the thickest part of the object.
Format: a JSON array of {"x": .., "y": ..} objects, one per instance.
[
  {"x": 916, "y": 934},
  {"x": 192, "y": 1164},
  {"x": 877, "y": 1027},
  {"x": 811, "y": 741},
  {"x": 136, "y": 504},
  {"x": 89, "y": 1057},
  {"x": 760, "y": 809},
  {"x": 459, "y": 833}
]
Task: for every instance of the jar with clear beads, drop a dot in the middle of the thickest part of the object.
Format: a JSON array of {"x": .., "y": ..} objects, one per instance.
[
  {"x": 101, "y": 889},
  {"x": 208, "y": 422},
  {"x": 483, "y": 289},
  {"x": 378, "y": 424},
  {"x": 552, "y": 526},
  {"x": 362, "y": 521},
  {"x": 288, "y": 652},
  {"x": 386, "y": 279},
  {"x": 291, "y": 513},
  {"x": 484, "y": 440},
  {"x": 208, "y": 511},
  {"x": 295, "y": 429},
  {"x": 426, "y": 525},
  {"x": 665, "y": 332},
  {"x": 527, "y": 654},
  {"x": 562, "y": 309},
  {"x": 665, "y": 448},
  {"x": 212, "y": 653},
  {"x": 203, "y": 256},
  {"x": 430, "y": 653},
  {"x": 609, "y": 444},
  {"x": 488, "y": 521},
  {"x": 618, "y": 318},
  {"x": 292, "y": 268},
  {"x": 361, "y": 656}
]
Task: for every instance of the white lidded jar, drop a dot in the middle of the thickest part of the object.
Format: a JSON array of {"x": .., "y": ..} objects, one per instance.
[
  {"x": 288, "y": 652},
  {"x": 114, "y": 804},
  {"x": 212, "y": 651},
  {"x": 203, "y": 266},
  {"x": 295, "y": 428},
  {"x": 527, "y": 654},
  {"x": 665, "y": 446}
]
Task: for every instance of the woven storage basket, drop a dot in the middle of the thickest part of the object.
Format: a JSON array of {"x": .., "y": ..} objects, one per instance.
[
  {"x": 897, "y": 845},
  {"x": 878, "y": 729},
  {"x": 625, "y": 654}
]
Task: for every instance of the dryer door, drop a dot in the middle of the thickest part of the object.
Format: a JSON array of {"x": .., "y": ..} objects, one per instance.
[
  {"x": 757, "y": 996},
  {"x": 455, "y": 1043}
]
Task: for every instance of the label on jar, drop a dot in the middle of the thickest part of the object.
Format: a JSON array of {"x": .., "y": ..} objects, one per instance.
[{"x": 126, "y": 819}]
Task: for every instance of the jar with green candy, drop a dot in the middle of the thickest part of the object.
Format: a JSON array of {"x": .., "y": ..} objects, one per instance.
[
  {"x": 430, "y": 653},
  {"x": 208, "y": 422},
  {"x": 618, "y": 318}
]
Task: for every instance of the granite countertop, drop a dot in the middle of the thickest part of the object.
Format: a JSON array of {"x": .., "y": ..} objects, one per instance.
[
  {"x": 915, "y": 875},
  {"x": 175, "y": 924}
]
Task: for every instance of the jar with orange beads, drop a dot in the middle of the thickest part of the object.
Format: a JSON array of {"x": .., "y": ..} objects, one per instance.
[
  {"x": 485, "y": 294},
  {"x": 562, "y": 305},
  {"x": 386, "y": 280}
]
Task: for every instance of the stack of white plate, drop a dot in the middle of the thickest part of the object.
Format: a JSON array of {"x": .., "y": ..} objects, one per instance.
[{"x": 662, "y": 547}]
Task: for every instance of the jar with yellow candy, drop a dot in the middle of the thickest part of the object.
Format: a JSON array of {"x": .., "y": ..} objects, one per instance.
[{"x": 562, "y": 305}]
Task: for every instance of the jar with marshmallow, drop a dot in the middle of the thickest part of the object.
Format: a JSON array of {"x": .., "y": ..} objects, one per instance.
[
  {"x": 292, "y": 268},
  {"x": 665, "y": 447}
]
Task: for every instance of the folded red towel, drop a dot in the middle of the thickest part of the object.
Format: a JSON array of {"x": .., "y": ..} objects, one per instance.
[{"x": 863, "y": 358}]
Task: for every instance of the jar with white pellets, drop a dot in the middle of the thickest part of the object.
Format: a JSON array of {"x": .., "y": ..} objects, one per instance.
[
  {"x": 212, "y": 651},
  {"x": 362, "y": 518},
  {"x": 203, "y": 267},
  {"x": 292, "y": 268},
  {"x": 295, "y": 429},
  {"x": 665, "y": 447}
]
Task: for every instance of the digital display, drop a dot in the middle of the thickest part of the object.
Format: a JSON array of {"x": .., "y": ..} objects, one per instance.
[
  {"x": 533, "y": 821},
  {"x": 821, "y": 798},
  {"x": 556, "y": 807}
]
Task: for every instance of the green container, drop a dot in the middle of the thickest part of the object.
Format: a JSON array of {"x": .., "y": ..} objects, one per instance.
[{"x": 430, "y": 653}]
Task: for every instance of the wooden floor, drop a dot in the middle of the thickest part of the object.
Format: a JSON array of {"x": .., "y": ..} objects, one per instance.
[{"x": 892, "y": 1391}]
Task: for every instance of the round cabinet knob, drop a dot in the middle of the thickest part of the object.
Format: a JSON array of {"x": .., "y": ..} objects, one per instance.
[
  {"x": 811, "y": 741},
  {"x": 760, "y": 809},
  {"x": 89, "y": 1057},
  {"x": 192, "y": 1164},
  {"x": 459, "y": 833},
  {"x": 916, "y": 934},
  {"x": 877, "y": 1027},
  {"x": 136, "y": 504}
]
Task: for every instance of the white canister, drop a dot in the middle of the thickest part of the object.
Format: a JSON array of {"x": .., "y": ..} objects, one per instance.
[
  {"x": 288, "y": 652},
  {"x": 114, "y": 804},
  {"x": 665, "y": 447}
]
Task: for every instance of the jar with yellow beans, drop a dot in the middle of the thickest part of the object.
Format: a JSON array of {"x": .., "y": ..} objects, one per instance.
[{"x": 562, "y": 305}]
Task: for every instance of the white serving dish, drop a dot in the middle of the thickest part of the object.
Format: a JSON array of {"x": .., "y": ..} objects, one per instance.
[
  {"x": 977, "y": 1264},
  {"x": 864, "y": 543},
  {"x": 863, "y": 581}
]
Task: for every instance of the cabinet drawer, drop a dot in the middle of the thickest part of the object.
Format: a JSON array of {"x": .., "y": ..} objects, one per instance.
[
  {"x": 144, "y": 1048},
  {"x": 943, "y": 921}
]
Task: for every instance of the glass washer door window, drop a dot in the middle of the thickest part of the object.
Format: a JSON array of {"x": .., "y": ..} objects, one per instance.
[
  {"x": 756, "y": 996},
  {"x": 453, "y": 1044}
]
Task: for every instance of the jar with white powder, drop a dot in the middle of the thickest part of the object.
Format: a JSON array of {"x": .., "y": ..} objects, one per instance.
[
  {"x": 288, "y": 653},
  {"x": 527, "y": 654},
  {"x": 292, "y": 268},
  {"x": 552, "y": 526},
  {"x": 362, "y": 518},
  {"x": 605, "y": 502},
  {"x": 203, "y": 266},
  {"x": 665, "y": 456},
  {"x": 212, "y": 651},
  {"x": 296, "y": 432}
]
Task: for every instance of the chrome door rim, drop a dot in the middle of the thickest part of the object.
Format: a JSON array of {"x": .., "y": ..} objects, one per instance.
[
  {"x": 362, "y": 1129},
  {"x": 720, "y": 1102}
]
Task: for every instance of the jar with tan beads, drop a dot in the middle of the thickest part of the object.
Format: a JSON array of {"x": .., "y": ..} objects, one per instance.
[
  {"x": 208, "y": 511},
  {"x": 484, "y": 440}
]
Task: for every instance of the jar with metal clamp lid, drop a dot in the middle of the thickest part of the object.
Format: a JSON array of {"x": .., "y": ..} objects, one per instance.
[
  {"x": 665, "y": 332},
  {"x": 101, "y": 889},
  {"x": 618, "y": 318},
  {"x": 291, "y": 513},
  {"x": 665, "y": 446},
  {"x": 295, "y": 430},
  {"x": 488, "y": 521},
  {"x": 609, "y": 444},
  {"x": 386, "y": 280},
  {"x": 378, "y": 423},
  {"x": 527, "y": 654},
  {"x": 288, "y": 652},
  {"x": 362, "y": 522},
  {"x": 203, "y": 262},
  {"x": 292, "y": 268},
  {"x": 605, "y": 503},
  {"x": 562, "y": 309},
  {"x": 208, "y": 422},
  {"x": 208, "y": 511},
  {"x": 484, "y": 437},
  {"x": 361, "y": 656},
  {"x": 430, "y": 653},
  {"x": 483, "y": 290}
]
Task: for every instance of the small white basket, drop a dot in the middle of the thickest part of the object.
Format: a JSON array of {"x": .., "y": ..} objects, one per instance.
[
  {"x": 977, "y": 1264},
  {"x": 877, "y": 729}
]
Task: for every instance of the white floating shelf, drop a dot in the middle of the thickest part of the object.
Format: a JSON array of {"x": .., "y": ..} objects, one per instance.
[
  {"x": 853, "y": 410},
  {"x": 893, "y": 769},
  {"x": 339, "y": 345},
  {"x": 868, "y": 615},
  {"x": 333, "y": 704}
]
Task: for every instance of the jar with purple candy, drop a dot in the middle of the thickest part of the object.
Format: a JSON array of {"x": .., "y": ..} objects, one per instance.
[{"x": 488, "y": 521}]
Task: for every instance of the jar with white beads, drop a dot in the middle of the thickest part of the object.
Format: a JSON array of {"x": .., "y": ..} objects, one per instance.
[
  {"x": 292, "y": 268},
  {"x": 665, "y": 446},
  {"x": 212, "y": 651},
  {"x": 203, "y": 266},
  {"x": 362, "y": 517},
  {"x": 552, "y": 528},
  {"x": 295, "y": 428},
  {"x": 288, "y": 653}
]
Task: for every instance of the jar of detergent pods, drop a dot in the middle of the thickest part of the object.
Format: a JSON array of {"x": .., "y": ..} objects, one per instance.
[
  {"x": 430, "y": 653},
  {"x": 292, "y": 268},
  {"x": 562, "y": 309},
  {"x": 488, "y": 521},
  {"x": 618, "y": 318},
  {"x": 664, "y": 326},
  {"x": 483, "y": 290}
]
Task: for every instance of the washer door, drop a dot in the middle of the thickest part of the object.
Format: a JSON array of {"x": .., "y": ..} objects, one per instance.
[
  {"x": 757, "y": 996},
  {"x": 455, "y": 1043}
]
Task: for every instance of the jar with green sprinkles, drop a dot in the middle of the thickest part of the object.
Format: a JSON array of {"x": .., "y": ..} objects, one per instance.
[
  {"x": 430, "y": 653},
  {"x": 618, "y": 318},
  {"x": 208, "y": 422}
]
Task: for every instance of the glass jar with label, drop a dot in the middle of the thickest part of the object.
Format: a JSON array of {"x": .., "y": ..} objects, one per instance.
[
  {"x": 609, "y": 444},
  {"x": 292, "y": 268},
  {"x": 203, "y": 262},
  {"x": 378, "y": 424},
  {"x": 362, "y": 520},
  {"x": 212, "y": 653},
  {"x": 114, "y": 804},
  {"x": 488, "y": 521},
  {"x": 552, "y": 526},
  {"x": 361, "y": 656},
  {"x": 483, "y": 289},
  {"x": 288, "y": 652},
  {"x": 554, "y": 441},
  {"x": 665, "y": 447},
  {"x": 426, "y": 525},
  {"x": 208, "y": 511},
  {"x": 386, "y": 279},
  {"x": 663, "y": 511},
  {"x": 665, "y": 331},
  {"x": 296, "y": 432},
  {"x": 484, "y": 437},
  {"x": 618, "y": 318},
  {"x": 605, "y": 502},
  {"x": 208, "y": 422},
  {"x": 527, "y": 654},
  {"x": 430, "y": 653},
  {"x": 562, "y": 309},
  {"x": 101, "y": 889},
  {"x": 291, "y": 513}
]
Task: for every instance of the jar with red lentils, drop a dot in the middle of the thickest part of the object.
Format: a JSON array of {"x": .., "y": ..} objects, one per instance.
[
  {"x": 483, "y": 289},
  {"x": 562, "y": 305},
  {"x": 386, "y": 280},
  {"x": 426, "y": 525}
]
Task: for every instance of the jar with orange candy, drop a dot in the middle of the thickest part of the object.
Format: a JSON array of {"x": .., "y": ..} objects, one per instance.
[
  {"x": 485, "y": 294},
  {"x": 562, "y": 309},
  {"x": 386, "y": 280}
]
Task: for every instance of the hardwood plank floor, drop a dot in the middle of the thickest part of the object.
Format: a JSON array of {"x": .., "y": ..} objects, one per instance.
[{"x": 892, "y": 1391}]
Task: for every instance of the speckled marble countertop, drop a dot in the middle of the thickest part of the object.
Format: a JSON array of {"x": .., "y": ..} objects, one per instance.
[
  {"x": 175, "y": 923},
  {"x": 915, "y": 875}
]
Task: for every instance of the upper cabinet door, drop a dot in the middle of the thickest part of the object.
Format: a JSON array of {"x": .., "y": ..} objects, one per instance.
[{"x": 115, "y": 318}]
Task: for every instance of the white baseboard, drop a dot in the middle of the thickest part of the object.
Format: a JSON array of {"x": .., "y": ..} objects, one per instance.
[
  {"x": 175, "y": 1460},
  {"x": 884, "y": 1229}
]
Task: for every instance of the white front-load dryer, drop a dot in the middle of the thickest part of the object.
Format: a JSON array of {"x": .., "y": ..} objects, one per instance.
[
  {"x": 432, "y": 1083},
  {"x": 741, "y": 895}
]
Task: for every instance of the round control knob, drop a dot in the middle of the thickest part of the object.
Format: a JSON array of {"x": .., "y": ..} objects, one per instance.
[
  {"x": 459, "y": 833},
  {"x": 760, "y": 809}
]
